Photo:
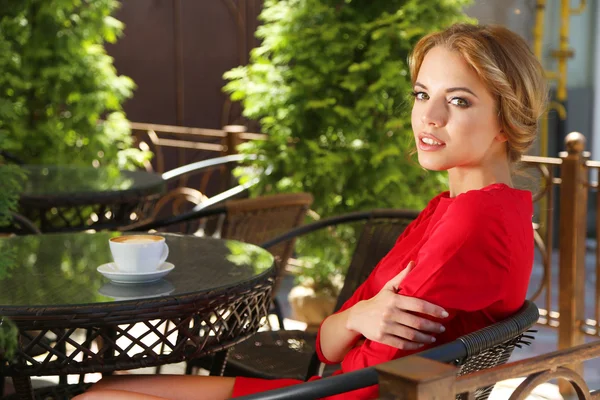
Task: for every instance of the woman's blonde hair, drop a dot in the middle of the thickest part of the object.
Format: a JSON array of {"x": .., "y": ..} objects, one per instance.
[{"x": 508, "y": 68}]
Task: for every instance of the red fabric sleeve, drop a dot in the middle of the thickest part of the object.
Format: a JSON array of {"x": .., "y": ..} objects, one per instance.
[
  {"x": 463, "y": 266},
  {"x": 365, "y": 291}
]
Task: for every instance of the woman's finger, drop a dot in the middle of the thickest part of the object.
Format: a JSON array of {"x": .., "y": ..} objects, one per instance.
[
  {"x": 408, "y": 333},
  {"x": 414, "y": 321},
  {"x": 419, "y": 306},
  {"x": 399, "y": 343}
]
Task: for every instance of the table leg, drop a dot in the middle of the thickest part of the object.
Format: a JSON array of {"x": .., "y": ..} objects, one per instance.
[
  {"x": 62, "y": 348},
  {"x": 110, "y": 353},
  {"x": 23, "y": 387},
  {"x": 218, "y": 364}
]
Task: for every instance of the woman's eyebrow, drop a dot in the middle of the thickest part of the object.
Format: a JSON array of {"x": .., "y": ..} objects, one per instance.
[
  {"x": 460, "y": 89},
  {"x": 452, "y": 89}
]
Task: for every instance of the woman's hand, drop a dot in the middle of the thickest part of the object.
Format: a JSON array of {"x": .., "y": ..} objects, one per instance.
[{"x": 388, "y": 317}]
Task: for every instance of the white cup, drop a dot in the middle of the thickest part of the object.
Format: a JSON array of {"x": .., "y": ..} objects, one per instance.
[{"x": 139, "y": 253}]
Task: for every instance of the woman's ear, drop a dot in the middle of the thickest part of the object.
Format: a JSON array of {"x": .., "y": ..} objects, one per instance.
[{"x": 501, "y": 137}]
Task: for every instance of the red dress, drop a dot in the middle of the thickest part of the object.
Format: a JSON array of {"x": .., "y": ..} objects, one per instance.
[{"x": 473, "y": 256}]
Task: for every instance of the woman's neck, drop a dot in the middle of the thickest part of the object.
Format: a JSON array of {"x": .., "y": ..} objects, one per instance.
[{"x": 463, "y": 179}]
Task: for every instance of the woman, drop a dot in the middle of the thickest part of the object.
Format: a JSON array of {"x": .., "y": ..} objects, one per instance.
[{"x": 465, "y": 262}]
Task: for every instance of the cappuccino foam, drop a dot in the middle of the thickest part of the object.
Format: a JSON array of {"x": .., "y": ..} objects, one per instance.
[{"x": 137, "y": 239}]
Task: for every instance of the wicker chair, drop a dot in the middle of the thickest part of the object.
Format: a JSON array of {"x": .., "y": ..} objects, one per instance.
[
  {"x": 291, "y": 354},
  {"x": 486, "y": 348},
  {"x": 248, "y": 220},
  {"x": 19, "y": 225}
]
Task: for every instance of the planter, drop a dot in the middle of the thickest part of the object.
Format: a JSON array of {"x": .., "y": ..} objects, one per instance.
[{"x": 310, "y": 307}]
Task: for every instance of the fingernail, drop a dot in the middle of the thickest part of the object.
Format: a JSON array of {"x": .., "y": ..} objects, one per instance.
[
  {"x": 445, "y": 314},
  {"x": 442, "y": 329},
  {"x": 421, "y": 345},
  {"x": 432, "y": 339}
]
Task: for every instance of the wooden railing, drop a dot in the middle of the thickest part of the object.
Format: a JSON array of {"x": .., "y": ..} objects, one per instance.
[
  {"x": 417, "y": 378},
  {"x": 192, "y": 144}
]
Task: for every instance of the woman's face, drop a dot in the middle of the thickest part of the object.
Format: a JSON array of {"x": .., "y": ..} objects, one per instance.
[{"x": 454, "y": 117}]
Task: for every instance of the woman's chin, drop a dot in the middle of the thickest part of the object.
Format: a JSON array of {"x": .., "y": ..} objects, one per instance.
[{"x": 431, "y": 165}]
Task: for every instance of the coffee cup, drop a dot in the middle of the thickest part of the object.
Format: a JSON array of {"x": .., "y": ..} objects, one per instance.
[{"x": 139, "y": 253}]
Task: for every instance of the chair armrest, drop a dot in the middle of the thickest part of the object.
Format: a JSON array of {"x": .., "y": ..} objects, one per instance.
[
  {"x": 205, "y": 209},
  {"x": 200, "y": 166},
  {"x": 354, "y": 380},
  {"x": 11, "y": 157},
  {"x": 340, "y": 219},
  {"x": 26, "y": 225}
]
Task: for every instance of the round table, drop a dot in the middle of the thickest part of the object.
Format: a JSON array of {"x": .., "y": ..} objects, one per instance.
[
  {"x": 67, "y": 198},
  {"x": 215, "y": 297}
]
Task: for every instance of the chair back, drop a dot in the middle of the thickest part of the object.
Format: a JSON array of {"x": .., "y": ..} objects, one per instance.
[
  {"x": 377, "y": 238},
  {"x": 483, "y": 348},
  {"x": 262, "y": 218}
]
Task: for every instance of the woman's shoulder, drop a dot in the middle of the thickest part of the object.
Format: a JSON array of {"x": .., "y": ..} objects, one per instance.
[{"x": 497, "y": 201}]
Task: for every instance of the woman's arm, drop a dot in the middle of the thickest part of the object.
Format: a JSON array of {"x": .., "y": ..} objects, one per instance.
[{"x": 386, "y": 318}]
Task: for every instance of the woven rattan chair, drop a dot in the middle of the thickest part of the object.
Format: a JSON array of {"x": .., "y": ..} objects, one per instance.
[
  {"x": 291, "y": 354},
  {"x": 248, "y": 220},
  {"x": 19, "y": 225},
  {"x": 486, "y": 348}
]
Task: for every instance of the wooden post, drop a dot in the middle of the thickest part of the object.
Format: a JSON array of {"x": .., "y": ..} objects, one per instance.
[
  {"x": 231, "y": 143},
  {"x": 416, "y": 378},
  {"x": 233, "y": 138},
  {"x": 573, "y": 210}
]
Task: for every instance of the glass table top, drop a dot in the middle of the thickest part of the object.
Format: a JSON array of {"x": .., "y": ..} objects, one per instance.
[
  {"x": 65, "y": 179},
  {"x": 60, "y": 269}
]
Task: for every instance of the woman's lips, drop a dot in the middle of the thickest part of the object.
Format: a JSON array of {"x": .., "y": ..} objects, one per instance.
[{"x": 427, "y": 142}]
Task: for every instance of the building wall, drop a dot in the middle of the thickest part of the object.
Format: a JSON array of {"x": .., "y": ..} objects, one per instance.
[{"x": 176, "y": 51}]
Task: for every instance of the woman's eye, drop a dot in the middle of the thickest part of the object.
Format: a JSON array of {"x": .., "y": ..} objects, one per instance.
[
  {"x": 420, "y": 95},
  {"x": 457, "y": 101}
]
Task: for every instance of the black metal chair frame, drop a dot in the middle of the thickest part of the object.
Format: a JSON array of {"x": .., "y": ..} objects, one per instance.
[
  {"x": 11, "y": 157},
  {"x": 21, "y": 225},
  {"x": 504, "y": 335}
]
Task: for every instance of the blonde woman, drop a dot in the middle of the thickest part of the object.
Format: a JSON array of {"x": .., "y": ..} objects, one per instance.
[{"x": 465, "y": 262}]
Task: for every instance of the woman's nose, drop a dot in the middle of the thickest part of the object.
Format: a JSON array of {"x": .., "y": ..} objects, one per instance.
[{"x": 435, "y": 113}]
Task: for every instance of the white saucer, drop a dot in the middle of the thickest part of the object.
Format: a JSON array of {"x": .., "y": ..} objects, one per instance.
[
  {"x": 111, "y": 271},
  {"x": 119, "y": 291}
]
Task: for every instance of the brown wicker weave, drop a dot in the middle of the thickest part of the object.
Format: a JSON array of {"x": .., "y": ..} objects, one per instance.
[
  {"x": 291, "y": 354},
  {"x": 263, "y": 218}
]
